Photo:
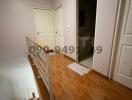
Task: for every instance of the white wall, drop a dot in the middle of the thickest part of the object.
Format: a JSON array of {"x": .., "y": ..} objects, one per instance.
[
  {"x": 44, "y": 4},
  {"x": 16, "y": 22},
  {"x": 69, "y": 7},
  {"x": 105, "y": 23}
]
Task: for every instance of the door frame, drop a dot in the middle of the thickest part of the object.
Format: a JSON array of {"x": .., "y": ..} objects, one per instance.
[
  {"x": 116, "y": 38},
  {"x": 33, "y": 8},
  {"x": 54, "y": 20},
  {"x": 77, "y": 30}
]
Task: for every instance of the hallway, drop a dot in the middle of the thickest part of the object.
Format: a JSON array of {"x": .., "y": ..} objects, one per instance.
[{"x": 68, "y": 85}]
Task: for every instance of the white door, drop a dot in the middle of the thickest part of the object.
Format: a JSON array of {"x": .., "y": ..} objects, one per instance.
[
  {"x": 123, "y": 71},
  {"x": 59, "y": 36},
  {"x": 44, "y": 27}
]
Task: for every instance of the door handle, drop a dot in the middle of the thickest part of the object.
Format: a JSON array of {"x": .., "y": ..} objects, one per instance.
[{"x": 38, "y": 33}]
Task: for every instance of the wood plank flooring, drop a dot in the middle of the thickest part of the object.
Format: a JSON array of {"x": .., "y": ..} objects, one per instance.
[{"x": 68, "y": 85}]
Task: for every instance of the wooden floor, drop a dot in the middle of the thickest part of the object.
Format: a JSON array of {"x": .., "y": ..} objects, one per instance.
[{"x": 70, "y": 86}]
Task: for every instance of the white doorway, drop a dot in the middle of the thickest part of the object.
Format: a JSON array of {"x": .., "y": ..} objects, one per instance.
[
  {"x": 49, "y": 27},
  {"x": 44, "y": 27},
  {"x": 123, "y": 70},
  {"x": 86, "y": 31},
  {"x": 58, "y": 22}
]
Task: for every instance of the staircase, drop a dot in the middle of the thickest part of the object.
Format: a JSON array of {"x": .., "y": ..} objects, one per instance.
[{"x": 39, "y": 60}]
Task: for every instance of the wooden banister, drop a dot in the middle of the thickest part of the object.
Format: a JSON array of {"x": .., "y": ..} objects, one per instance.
[{"x": 41, "y": 68}]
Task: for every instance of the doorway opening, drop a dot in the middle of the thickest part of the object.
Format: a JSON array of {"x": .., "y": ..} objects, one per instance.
[{"x": 86, "y": 31}]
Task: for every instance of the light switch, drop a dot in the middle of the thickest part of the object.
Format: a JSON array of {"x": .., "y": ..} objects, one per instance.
[{"x": 68, "y": 26}]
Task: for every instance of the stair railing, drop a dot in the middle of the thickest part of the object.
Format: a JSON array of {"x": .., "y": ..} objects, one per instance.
[{"x": 42, "y": 62}]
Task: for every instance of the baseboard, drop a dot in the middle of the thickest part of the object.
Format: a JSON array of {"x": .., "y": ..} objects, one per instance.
[
  {"x": 69, "y": 58},
  {"x": 85, "y": 66},
  {"x": 100, "y": 74}
]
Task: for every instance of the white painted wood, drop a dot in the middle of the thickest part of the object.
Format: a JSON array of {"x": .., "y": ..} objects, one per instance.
[
  {"x": 104, "y": 32},
  {"x": 44, "y": 27},
  {"x": 123, "y": 71},
  {"x": 70, "y": 26},
  {"x": 58, "y": 20},
  {"x": 129, "y": 23}
]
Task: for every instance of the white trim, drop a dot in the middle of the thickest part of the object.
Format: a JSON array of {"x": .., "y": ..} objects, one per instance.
[
  {"x": 58, "y": 7},
  {"x": 116, "y": 36},
  {"x": 77, "y": 28},
  {"x": 41, "y": 8},
  {"x": 58, "y": 4}
]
